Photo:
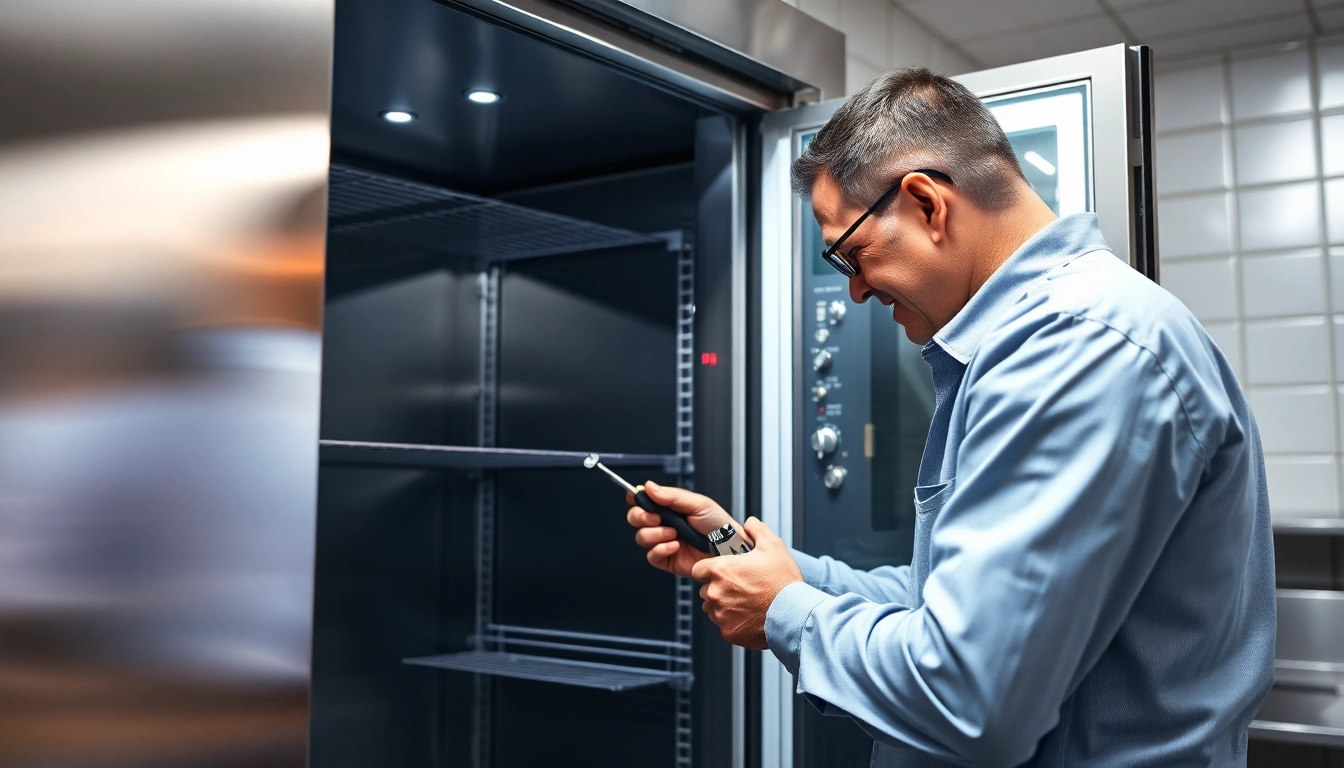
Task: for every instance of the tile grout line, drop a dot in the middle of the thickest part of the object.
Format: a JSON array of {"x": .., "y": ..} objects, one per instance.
[
  {"x": 1234, "y": 215},
  {"x": 1314, "y": 84}
]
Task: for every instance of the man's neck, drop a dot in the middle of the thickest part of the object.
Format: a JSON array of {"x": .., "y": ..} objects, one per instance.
[{"x": 1008, "y": 229}]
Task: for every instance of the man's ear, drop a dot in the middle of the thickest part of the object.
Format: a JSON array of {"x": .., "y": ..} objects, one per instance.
[{"x": 932, "y": 203}]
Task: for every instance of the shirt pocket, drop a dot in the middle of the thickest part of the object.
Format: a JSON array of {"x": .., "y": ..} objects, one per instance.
[{"x": 929, "y": 500}]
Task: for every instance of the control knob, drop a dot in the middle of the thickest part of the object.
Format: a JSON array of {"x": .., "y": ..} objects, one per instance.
[
  {"x": 819, "y": 392},
  {"x": 825, "y": 440},
  {"x": 834, "y": 477},
  {"x": 821, "y": 361},
  {"x": 836, "y": 312}
]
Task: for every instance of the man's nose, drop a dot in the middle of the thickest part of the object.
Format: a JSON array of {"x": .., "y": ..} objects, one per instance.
[{"x": 859, "y": 290}]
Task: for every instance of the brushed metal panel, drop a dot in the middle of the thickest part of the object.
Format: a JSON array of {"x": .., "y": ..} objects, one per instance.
[
  {"x": 162, "y": 214},
  {"x": 766, "y": 39}
]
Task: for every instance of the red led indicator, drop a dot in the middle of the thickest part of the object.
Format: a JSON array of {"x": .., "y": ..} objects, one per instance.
[{"x": 709, "y": 358}]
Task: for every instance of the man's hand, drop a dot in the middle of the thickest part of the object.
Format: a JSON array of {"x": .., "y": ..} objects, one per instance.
[
  {"x": 738, "y": 589},
  {"x": 665, "y": 550}
]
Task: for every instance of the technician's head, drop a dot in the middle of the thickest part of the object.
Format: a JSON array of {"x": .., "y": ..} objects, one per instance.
[{"x": 947, "y": 188}]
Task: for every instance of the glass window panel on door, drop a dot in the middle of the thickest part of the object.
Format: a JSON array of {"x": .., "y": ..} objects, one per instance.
[
  {"x": 859, "y": 380},
  {"x": 1050, "y": 131}
]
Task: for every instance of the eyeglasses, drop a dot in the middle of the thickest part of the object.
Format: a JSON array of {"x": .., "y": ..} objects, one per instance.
[{"x": 847, "y": 265}]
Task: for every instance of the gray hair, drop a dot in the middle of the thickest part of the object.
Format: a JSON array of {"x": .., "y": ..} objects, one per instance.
[{"x": 908, "y": 119}]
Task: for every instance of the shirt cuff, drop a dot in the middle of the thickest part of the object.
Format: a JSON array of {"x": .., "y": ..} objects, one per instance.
[
  {"x": 813, "y": 571},
  {"x": 786, "y": 620}
]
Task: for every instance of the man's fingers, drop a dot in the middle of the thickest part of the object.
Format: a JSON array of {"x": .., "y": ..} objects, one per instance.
[
  {"x": 651, "y": 537},
  {"x": 660, "y": 554},
  {"x": 640, "y": 518},
  {"x": 758, "y": 532},
  {"x": 683, "y": 501}
]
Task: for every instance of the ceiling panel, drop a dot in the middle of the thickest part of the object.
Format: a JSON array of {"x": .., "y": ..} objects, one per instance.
[
  {"x": 1260, "y": 33},
  {"x": 1174, "y": 18},
  {"x": 1078, "y": 35},
  {"x": 966, "y": 19}
]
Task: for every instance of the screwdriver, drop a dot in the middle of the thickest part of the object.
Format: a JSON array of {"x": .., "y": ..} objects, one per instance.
[{"x": 666, "y": 517}]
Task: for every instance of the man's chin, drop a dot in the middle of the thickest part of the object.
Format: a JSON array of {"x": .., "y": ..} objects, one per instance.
[{"x": 913, "y": 332}]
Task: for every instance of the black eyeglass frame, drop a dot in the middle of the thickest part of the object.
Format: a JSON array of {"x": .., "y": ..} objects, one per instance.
[{"x": 837, "y": 258}]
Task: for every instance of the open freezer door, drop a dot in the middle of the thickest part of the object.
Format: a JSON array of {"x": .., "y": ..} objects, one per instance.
[{"x": 1081, "y": 126}]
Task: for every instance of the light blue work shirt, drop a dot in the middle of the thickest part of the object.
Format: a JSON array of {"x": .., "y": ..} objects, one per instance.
[{"x": 1093, "y": 572}]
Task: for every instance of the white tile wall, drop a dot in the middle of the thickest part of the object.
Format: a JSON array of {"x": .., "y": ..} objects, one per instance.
[
  {"x": 1193, "y": 226},
  {"x": 1330, "y": 64},
  {"x": 1207, "y": 286},
  {"x": 1302, "y": 486},
  {"x": 1287, "y": 352},
  {"x": 1334, "y": 210},
  {"x": 1286, "y": 216},
  {"x": 880, "y": 35},
  {"x": 1191, "y": 97},
  {"x": 1192, "y": 162},
  {"x": 1270, "y": 85},
  {"x": 1280, "y": 138},
  {"x": 1290, "y": 420},
  {"x": 1282, "y": 285},
  {"x": 1276, "y": 152}
]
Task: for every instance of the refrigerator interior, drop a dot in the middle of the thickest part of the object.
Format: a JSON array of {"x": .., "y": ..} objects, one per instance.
[{"x": 516, "y": 275}]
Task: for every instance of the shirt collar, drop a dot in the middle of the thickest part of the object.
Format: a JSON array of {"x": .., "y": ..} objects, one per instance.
[{"x": 1059, "y": 242}]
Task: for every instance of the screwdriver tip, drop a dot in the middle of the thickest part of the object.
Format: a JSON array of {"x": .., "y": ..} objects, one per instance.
[{"x": 591, "y": 461}]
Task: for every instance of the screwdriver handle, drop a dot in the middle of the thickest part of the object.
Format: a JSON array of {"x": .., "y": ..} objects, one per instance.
[{"x": 674, "y": 520}]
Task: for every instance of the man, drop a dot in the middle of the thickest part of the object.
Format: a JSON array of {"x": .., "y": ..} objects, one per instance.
[{"x": 1093, "y": 578}]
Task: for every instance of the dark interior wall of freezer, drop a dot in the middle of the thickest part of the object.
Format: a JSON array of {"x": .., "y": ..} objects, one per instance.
[{"x": 394, "y": 562}]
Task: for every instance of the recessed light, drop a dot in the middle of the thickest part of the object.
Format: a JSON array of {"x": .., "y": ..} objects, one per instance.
[
  {"x": 482, "y": 96},
  {"x": 1045, "y": 166},
  {"x": 398, "y": 116}
]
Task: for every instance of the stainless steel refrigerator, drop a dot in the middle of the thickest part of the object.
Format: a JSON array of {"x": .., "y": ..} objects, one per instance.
[{"x": 217, "y": 252}]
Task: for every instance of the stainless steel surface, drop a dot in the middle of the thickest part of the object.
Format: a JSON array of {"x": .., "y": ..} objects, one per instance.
[
  {"x": 652, "y": 57},
  {"x": 771, "y": 41},
  {"x": 825, "y": 440},
  {"x": 821, "y": 361},
  {"x": 392, "y": 211},
  {"x": 586, "y": 674},
  {"x": 835, "y": 313},
  {"x": 1311, "y": 626},
  {"x": 1301, "y": 715},
  {"x": 1325, "y": 526},
  {"x": 834, "y": 477},
  {"x": 357, "y": 452},
  {"x": 614, "y": 477},
  {"x": 163, "y": 177}
]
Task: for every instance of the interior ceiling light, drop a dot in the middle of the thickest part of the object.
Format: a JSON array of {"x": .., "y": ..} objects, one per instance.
[
  {"x": 482, "y": 96},
  {"x": 1045, "y": 166},
  {"x": 398, "y": 116}
]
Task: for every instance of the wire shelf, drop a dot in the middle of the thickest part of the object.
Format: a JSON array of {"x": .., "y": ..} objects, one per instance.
[
  {"x": 471, "y": 457},
  {"x": 586, "y": 674},
  {"x": 365, "y": 204},
  {"x": 1301, "y": 715}
]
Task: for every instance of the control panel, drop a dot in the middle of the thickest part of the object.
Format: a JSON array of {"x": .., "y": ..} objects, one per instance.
[{"x": 866, "y": 401}]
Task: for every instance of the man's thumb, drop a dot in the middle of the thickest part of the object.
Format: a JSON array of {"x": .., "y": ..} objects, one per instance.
[{"x": 758, "y": 531}]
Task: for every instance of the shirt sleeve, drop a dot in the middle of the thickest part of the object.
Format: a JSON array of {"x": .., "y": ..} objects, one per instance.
[
  {"x": 1076, "y": 463},
  {"x": 887, "y": 584}
]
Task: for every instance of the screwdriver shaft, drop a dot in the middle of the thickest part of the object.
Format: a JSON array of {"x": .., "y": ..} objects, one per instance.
[{"x": 617, "y": 479}]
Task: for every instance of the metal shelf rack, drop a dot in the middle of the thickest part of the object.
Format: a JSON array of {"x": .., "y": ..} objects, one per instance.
[
  {"x": 497, "y": 654},
  {"x": 353, "y": 452},
  {"x": 365, "y": 204}
]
